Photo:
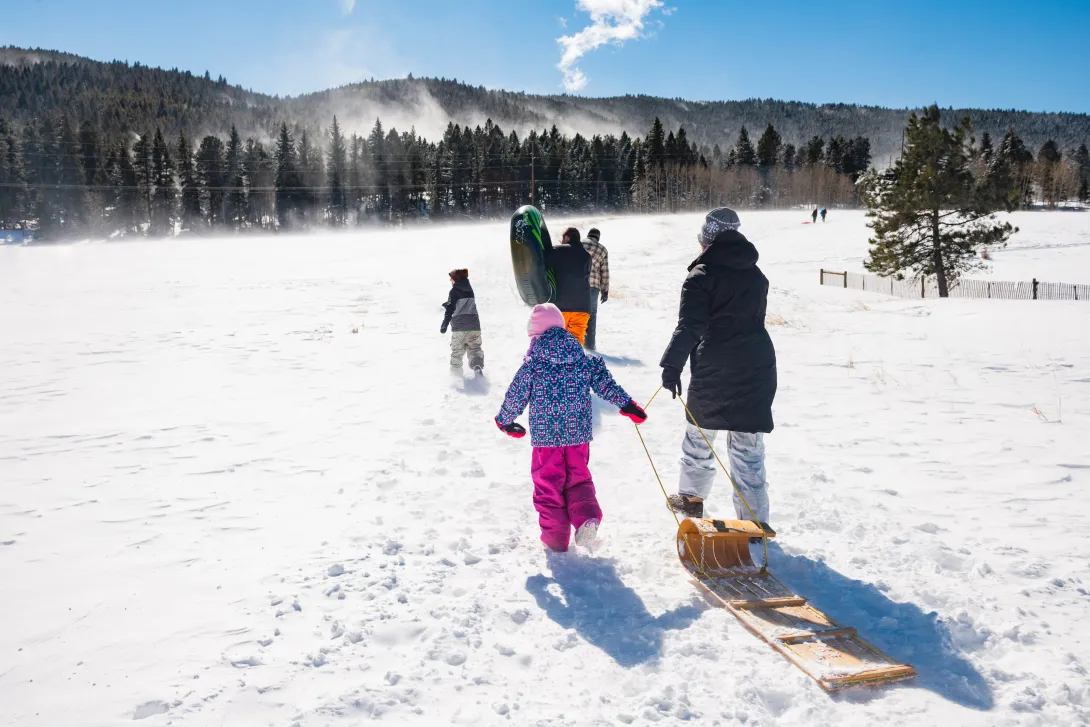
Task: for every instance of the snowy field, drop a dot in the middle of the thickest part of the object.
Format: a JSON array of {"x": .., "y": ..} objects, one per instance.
[{"x": 220, "y": 505}]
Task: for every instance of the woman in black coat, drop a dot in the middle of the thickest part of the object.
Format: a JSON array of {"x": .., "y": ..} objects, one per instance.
[{"x": 721, "y": 333}]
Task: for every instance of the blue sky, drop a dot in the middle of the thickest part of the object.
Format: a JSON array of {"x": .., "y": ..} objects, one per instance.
[{"x": 966, "y": 53}]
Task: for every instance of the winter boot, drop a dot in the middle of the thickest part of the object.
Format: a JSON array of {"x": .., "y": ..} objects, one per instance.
[
  {"x": 687, "y": 505},
  {"x": 586, "y": 535}
]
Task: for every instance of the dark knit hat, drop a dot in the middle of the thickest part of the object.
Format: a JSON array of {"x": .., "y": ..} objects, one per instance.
[
  {"x": 594, "y": 234},
  {"x": 573, "y": 236},
  {"x": 459, "y": 274},
  {"x": 718, "y": 220}
]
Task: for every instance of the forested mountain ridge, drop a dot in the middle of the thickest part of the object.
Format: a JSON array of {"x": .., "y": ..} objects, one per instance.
[{"x": 123, "y": 97}]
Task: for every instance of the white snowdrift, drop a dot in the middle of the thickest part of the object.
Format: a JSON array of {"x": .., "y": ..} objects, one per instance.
[{"x": 220, "y": 506}]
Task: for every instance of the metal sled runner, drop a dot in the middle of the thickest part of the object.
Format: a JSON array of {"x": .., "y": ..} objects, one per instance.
[{"x": 716, "y": 554}]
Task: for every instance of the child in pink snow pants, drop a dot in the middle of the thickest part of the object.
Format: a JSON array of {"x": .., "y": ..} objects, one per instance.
[{"x": 555, "y": 380}]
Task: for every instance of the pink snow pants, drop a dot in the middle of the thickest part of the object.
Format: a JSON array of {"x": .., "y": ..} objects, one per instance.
[{"x": 563, "y": 492}]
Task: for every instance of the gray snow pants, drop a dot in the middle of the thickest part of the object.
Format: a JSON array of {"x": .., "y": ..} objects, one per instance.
[
  {"x": 590, "y": 342},
  {"x": 466, "y": 342},
  {"x": 746, "y": 459}
]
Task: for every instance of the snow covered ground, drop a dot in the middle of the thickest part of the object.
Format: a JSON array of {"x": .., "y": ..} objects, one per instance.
[{"x": 220, "y": 505}]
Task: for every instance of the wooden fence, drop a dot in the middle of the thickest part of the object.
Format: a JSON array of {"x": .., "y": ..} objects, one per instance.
[{"x": 928, "y": 288}]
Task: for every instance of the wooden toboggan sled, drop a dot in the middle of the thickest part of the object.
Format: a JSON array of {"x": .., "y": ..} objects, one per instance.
[{"x": 716, "y": 554}]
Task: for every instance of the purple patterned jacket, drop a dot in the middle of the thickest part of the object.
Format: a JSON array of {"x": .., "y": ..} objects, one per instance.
[{"x": 556, "y": 380}]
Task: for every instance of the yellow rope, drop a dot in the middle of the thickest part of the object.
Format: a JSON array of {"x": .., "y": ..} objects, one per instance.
[{"x": 737, "y": 490}]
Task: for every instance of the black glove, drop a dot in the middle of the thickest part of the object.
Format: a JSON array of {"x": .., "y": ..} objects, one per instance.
[
  {"x": 605, "y": 295},
  {"x": 634, "y": 411},
  {"x": 514, "y": 429},
  {"x": 443, "y": 328},
  {"x": 671, "y": 380}
]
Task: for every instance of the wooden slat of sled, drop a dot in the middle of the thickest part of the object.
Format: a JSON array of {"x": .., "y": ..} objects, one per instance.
[{"x": 832, "y": 655}]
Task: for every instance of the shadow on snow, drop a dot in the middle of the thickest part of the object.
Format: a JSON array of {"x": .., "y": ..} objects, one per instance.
[
  {"x": 594, "y": 601},
  {"x": 620, "y": 361},
  {"x": 475, "y": 386},
  {"x": 902, "y": 630}
]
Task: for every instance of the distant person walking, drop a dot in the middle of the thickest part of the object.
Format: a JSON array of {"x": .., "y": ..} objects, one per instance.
[
  {"x": 721, "y": 334},
  {"x": 599, "y": 282},
  {"x": 570, "y": 266},
  {"x": 461, "y": 316},
  {"x": 822, "y": 214},
  {"x": 813, "y": 215}
]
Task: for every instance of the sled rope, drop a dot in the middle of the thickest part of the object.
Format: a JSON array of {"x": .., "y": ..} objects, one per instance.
[{"x": 737, "y": 490}]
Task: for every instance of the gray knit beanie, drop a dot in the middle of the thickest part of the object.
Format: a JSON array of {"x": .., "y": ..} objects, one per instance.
[{"x": 718, "y": 220}]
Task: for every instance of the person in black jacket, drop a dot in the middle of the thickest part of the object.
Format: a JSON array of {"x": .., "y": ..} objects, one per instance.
[
  {"x": 461, "y": 316},
  {"x": 569, "y": 264},
  {"x": 721, "y": 333}
]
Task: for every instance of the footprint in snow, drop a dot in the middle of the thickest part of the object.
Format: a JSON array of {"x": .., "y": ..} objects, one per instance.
[{"x": 150, "y": 709}]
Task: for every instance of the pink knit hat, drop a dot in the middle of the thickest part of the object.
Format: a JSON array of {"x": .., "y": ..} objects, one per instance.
[{"x": 544, "y": 317}]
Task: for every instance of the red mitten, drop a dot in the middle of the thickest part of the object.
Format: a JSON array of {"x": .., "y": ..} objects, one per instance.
[
  {"x": 633, "y": 411},
  {"x": 514, "y": 429}
]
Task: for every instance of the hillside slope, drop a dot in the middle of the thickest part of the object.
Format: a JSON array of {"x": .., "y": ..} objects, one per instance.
[{"x": 124, "y": 97}]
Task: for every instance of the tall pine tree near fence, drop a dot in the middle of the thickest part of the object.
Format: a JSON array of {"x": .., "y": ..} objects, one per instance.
[{"x": 930, "y": 215}]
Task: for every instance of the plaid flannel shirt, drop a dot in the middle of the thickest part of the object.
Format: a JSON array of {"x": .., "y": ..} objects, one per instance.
[{"x": 599, "y": 265}]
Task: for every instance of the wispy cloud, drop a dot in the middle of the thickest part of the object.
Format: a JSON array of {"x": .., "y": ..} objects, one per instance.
[
  {"x": 612, "y": 21},
  {"x": 347, "y": 6}
]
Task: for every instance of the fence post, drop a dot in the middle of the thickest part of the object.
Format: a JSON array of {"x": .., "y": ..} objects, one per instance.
[
  {"x": 923, "y": 287},
  {"x": 822, "y": 276},
  {"x": 989, "y": 289},
  {"x": 845, "y": 274},
  {"x": 1035, "y": 288},
  {"x": 1076, "y": 289}
]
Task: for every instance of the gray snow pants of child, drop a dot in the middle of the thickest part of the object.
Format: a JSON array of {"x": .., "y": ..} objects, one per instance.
[
  {"x": 746, "y": 459},
  {"x": 466, "y": 342}
]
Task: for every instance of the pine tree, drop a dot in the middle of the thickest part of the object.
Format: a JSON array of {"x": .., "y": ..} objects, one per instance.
[
  {"x": 164, "y": 198},
  {"x": 655, "y": 145},
  {"x": 1013, "y": 165},
  {"x": 745, "y": 154},
  {"x": 929, "y": 214},
  {"x": 211, "y": 178},
  {"x": 379, "y": 191},
  {"x": 45, "y": 176},
  {"x": 1048, "y": 159},
  {"x": 685, "y": 152},
  {"x": 311, "y": 174},
  {"x": 1082, "y": 160},
  {"x": 768, "y": 148},
  {"x": 235, "y": 177},
  {"x": 145, "y": 177},
  {"x": 338, "y": 172},
  {"x": 359, "y": 171},
  {"x": 74, "y": 206},
  {"x": 93, "y": 159},
  {"x": 12, "y": 180},
  {"x": 191, "y": 217},
  {"x": 128, "y": 201},
  {"x": 262, "y": 191},
  {"x": 856, "y": 158},
  {"x": 287, "y": 179},
  {"x": 986, "y": 150},
  {"x": 36, "y": 173},
  {"x": 835, "y": 153},
  {"x": 815, "y": 151},
  {"x": 788, "y": 156}
]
